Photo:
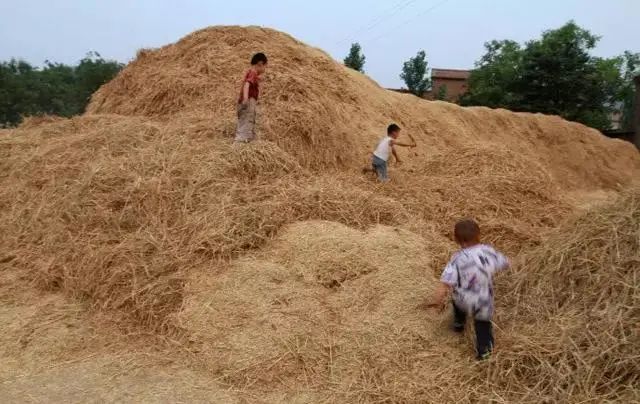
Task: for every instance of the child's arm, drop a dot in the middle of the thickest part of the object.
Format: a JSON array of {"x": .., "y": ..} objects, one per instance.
[
  {"x": 439, "y": 296},
  {"x": 500, "y": 262},
  {"x": 412, "y": 144},
  {"x": 395, "y": 154},
  {"x": 448, "y": 280},
  {"x": 245, "y": 92}
]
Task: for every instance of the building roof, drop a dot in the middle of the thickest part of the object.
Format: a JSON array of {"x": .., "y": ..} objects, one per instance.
[{"x": 450, "y": 74}]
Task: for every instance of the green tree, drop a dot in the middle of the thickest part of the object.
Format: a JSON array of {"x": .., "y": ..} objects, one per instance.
[
  {"x": 414, "y": 74},
  {"x": 91, "y": 73},
  {"x": 18, "y": 91},
  {"x": 555, "y": 74},
  {"x": 442, "y": 93},
  {"x": 558, "y": 76},
  {"x": 355, "y": 59},
  {"x": 491, "y": 82},
  {"x": 629, "y": 66},
  {"x": 55, "y": 89}
]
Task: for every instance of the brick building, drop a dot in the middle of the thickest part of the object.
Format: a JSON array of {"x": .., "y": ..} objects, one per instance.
[{"x": 451, "y": 83}]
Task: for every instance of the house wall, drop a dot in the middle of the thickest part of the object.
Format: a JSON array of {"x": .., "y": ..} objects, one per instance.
[{"x": 455, "y": 88}]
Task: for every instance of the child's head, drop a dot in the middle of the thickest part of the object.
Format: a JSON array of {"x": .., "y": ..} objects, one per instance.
[
  {"x": 467, "y": 232},
  {"x": 259, "y": 62},
  {"x": 393, "y": 131}
]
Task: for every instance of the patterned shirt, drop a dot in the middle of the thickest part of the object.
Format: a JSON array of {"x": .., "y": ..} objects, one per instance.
[
  {"x": 253, "y": 79},
  {"x": 470, "y": 273}
]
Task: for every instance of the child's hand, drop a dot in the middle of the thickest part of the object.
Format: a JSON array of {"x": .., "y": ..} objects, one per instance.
[
  {"x": 432, "y": 304},
  {"x": 439, "y": 306},
  {"x": 412, "y": 141}
]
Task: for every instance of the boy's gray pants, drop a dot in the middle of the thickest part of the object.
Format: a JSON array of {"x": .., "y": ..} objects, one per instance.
[{"x": 246, "y": 130}]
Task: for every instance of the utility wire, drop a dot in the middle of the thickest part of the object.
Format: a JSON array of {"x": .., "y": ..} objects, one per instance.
[
  {"x": 380, "y": 19},
  {"x": 425, "y": 12}
]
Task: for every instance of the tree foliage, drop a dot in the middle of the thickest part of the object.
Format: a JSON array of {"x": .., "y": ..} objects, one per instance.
[
  {"x": 492, "y": 82},
  {"x": 414, "y": 74},
  {"x": 629, "y": 66},
  {"x": 355, "y": 59},
  {"x": 55, "y": 89},
  {"x": 555, "y": 74},
  {"x": 442, "y": 93}
]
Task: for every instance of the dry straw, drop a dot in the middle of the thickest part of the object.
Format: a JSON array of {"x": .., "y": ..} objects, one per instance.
[{"x": 144, "y": 209}]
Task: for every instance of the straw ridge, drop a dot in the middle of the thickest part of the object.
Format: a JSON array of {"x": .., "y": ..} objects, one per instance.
[{"x": 283, "y": 273}]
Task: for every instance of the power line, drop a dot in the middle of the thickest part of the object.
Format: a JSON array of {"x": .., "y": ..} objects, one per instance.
[
  {"x": 425, "y": 12},
  {"x": 380, "y": 19}
]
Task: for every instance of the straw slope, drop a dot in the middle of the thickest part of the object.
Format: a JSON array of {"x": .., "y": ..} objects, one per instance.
[
  {"x": 573, "y": 307},
  {"x": 325, "y": 114},
  {"x": 278, "y": 265}
]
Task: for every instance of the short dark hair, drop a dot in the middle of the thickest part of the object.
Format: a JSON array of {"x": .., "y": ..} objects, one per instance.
[
  {"x": 259, "y": 57},
  {"x": 466, "y": 230},
  {"x": 392, "y": 128}
]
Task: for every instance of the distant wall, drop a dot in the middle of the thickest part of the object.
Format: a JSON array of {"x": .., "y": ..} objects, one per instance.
[{"x": 454, "y": 88}]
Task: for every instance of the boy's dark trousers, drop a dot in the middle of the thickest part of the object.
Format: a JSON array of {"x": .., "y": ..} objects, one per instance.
[{"x": 484, "y": 333}]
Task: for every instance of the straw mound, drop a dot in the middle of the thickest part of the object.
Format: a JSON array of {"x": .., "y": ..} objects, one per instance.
[
  {"x": 298, "y": 312},
  {"x": 43, "y": 328},
  {"x": 145, "y": 210},
  {"x": 51, "y": 350},
  {"x": 514, "y": 199},
  {"x": 328, "y": 310},
  {"x": 118, "y": 210},
  {"x": 575, "y": 323},
  {"x": 325, "y": 114}
]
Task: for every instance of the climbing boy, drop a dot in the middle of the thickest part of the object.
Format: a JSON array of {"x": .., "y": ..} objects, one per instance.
[
  {"x": 247, "y": 103},
  {"x": 469, "y": 275},
  {"x": 385, "y": 148}
]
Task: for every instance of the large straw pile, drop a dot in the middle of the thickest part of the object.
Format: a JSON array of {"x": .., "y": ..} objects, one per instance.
[
  {"x": 119, "y": 209},
  {"x": 300, "y": 308},
  {"x": 574, "y": 307},
  {"x": 330, "y": 313},
  {"x": 325, "y": 114},
  {"x": 144, "y": 209}
]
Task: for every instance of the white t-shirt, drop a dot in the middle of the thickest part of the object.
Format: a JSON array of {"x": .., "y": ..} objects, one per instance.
[
  {"x": 470, "y": 273},
  {"x": 384, "y": 148}
]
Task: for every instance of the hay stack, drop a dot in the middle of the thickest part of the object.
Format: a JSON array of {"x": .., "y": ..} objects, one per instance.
[
  {"x": 297, "y": 313},
  {"x": 118, "y": 208},
  {"x": 325, "y": 114},
  {"x": 574, "y": 309},
  {"x": 330, "y": 310},
  {"x": 145, "y": 210}
]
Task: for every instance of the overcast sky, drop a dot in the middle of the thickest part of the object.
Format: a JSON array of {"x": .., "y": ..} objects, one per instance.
[{"x": 452, "y": 32}]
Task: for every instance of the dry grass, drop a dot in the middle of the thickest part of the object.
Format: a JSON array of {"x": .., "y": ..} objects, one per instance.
[
  {"x": 119, "y": 210},
  {"x": 144, "y": 210},
  {"x": 326, "y": 115},
  {"x": 330, "y": 311},
  {"x": 574, "y": 307}
]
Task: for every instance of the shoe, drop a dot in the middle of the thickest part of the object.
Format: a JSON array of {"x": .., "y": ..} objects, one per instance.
[{"x": 484, "y": 356}]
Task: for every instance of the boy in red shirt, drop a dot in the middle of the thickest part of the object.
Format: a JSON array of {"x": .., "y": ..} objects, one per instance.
[{"x": 249, "y": 93}]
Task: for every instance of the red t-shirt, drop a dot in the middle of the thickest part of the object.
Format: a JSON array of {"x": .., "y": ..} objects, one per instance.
[{"x": 252, "y": 78}]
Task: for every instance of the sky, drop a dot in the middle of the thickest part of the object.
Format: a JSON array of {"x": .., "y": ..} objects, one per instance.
[{"x": 452, "y": 32}]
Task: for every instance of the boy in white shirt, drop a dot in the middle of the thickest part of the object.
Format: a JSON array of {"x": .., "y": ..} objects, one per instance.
[
  {"x": 385, "y": 148},
  {"x": 469, "y": 275}
]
